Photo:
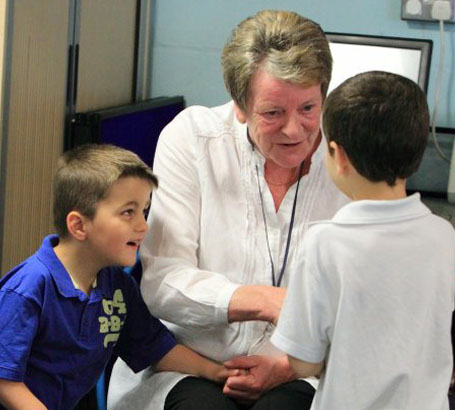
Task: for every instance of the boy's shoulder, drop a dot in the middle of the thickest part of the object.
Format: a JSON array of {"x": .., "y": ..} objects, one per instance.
[
  {"x": 28, "y": 278},
  {"x": 369, "y": 215},
  {"x": 114, "y": 278},
  {"x": 40, "y": 271}
]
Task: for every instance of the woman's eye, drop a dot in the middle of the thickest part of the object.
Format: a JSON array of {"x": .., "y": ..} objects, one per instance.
[
  {"x": 307, "y": 108},
  {"x": 272, "y": 114}
]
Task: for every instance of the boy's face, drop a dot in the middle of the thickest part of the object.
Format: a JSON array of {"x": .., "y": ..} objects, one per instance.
[
  {"x": 119, "y": 224},
  {"x": 332, "y": 164}
]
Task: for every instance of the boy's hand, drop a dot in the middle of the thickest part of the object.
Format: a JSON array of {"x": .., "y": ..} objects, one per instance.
[
  {"x": 219, "y": 373},
  {"x": 181, "y": 359}
]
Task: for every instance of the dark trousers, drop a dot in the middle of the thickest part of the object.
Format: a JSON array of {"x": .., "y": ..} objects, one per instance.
[{"x": 193, "y": 393}]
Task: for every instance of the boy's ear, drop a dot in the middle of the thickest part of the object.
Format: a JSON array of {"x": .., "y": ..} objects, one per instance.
[
  {"x": 240, "y": 115},
  {"x": 343, "y": 165},
  {"x": 75, "y": 223}
]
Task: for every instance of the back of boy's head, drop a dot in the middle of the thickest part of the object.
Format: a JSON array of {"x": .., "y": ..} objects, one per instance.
[
  {"x": 85, "y": 175},
  {"x": 381, "y": 121}
]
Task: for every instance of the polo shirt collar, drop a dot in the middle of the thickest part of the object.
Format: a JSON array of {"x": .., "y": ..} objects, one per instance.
[
  {"x": 381, "y": 211},
  {"x": 60, "y": 275}
]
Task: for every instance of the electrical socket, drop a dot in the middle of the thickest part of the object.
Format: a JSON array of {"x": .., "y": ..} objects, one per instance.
[{"x": 422, "y": 10}]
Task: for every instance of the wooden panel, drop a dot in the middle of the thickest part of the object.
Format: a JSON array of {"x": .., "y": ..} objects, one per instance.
[
  {"x": 3, "y": 11},
  {"x": 106, "y": 53},
  {"x": 35, "y": 123}
]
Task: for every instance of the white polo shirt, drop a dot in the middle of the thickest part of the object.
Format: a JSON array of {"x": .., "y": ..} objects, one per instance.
[{"x": 374, "y": 297}]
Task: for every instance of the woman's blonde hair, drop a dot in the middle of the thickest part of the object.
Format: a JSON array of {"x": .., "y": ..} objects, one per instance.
[{"x": 283, "y": 43}]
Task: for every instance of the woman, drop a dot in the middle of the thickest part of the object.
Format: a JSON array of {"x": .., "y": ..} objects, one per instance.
[{"x": 238, "y": 185}]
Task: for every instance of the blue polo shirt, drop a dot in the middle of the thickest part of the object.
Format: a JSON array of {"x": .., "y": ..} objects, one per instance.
[{"x": 57, "y": 340}]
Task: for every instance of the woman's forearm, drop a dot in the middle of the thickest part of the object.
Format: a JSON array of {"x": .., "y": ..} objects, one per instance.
[{"x": 256, "y": 302}]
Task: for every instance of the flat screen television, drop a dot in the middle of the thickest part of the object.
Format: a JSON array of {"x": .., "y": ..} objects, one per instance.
[
  {"x": 354, "y": 53},
  {"x": 134, "y": 126},
  {"x": 432, "y": 177}
]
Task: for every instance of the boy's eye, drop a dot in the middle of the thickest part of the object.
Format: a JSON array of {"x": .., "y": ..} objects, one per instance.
[
  {"x": 128, "y": 212},
  {"x": 146, "y": 212}
]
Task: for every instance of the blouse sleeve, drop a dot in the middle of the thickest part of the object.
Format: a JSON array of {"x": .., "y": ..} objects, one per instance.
[
  {"x": 173, "y": 285},
  {"x": 144, "y": 340}
]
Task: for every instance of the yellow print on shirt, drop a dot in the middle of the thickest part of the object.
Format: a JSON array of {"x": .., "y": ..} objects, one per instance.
[{"x": 112, "y": 324}]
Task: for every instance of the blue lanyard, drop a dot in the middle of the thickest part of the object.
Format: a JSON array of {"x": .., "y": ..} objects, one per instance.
[{"x": 291, "y": 225}]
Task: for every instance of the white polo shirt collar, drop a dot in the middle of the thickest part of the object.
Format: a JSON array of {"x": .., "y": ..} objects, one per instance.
[{"x": 381, "y": 211}]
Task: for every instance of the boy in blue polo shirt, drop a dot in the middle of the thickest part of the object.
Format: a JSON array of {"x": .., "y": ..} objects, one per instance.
[{"x": 65, "y": 310}]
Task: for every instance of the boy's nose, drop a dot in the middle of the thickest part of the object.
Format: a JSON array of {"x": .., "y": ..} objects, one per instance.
[{"x": 141, "y": 224}]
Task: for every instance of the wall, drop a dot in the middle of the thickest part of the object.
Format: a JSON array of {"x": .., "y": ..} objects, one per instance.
[{"x": 189, "y": 35}]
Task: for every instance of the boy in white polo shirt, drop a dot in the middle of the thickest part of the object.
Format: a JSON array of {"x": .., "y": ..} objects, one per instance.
[{"x": 370, "y": 310}]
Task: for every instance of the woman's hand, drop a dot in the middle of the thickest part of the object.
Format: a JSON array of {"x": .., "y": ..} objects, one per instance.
[
  {"x": 257, "y": 375},
  {"x": 256, "y": 302}
]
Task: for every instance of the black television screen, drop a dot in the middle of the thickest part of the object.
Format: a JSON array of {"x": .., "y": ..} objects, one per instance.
[
  {"x": 354, "y": 53},
  {"x": 432, "y": 177},
  {"x": 135, "y": 126}
]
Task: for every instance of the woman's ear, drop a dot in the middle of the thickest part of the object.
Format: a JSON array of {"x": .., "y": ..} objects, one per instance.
[
  {"x": 240, "y": 115},
  {"x": 75, "y": 223},
  {"x": 343, "y": 165}
]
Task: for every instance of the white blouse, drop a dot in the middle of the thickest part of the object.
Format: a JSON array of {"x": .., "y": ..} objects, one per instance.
[{"x": 207, "y": 238}]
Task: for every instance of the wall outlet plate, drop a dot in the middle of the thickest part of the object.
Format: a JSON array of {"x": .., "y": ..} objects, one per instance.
[{"x": 421, "y": 10}]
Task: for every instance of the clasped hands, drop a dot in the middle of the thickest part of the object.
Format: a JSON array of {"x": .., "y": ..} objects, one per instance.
[
  {"x": 248, "y": 377},
  {"x": 255, "y": 375}
]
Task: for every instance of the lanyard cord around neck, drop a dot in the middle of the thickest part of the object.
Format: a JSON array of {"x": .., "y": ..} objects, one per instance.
[{"x": 291, "y": 225}]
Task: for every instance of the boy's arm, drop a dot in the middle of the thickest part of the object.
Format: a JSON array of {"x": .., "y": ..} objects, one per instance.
[
  {"x": 17, "y": 396},
  {"x": 305, "y": 369},
  {"x": 183, "y": 360}
]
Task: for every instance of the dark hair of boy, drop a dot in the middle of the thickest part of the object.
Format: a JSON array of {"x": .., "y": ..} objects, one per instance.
[
  {"x": 381, "y": 121},
  {"x": 85, "y": 175}
]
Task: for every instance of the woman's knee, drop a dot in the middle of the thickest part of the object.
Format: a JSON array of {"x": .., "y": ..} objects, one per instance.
[{"x": 193, "y": 393}]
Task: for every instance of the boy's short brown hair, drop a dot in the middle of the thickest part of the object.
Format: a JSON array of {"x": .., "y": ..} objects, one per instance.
[
  {"x": 85, "y": 175},
  {"x": 381, "y": 121}
]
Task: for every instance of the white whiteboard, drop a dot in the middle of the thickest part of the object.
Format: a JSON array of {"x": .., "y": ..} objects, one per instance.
[{"x": 352, "y": 59}]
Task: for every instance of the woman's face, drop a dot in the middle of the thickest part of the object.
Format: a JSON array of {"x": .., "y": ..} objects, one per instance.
[{"x": 282, "y": 118}]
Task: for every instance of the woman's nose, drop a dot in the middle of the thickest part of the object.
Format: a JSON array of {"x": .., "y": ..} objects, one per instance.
[{"x": 292, "y": 128}]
